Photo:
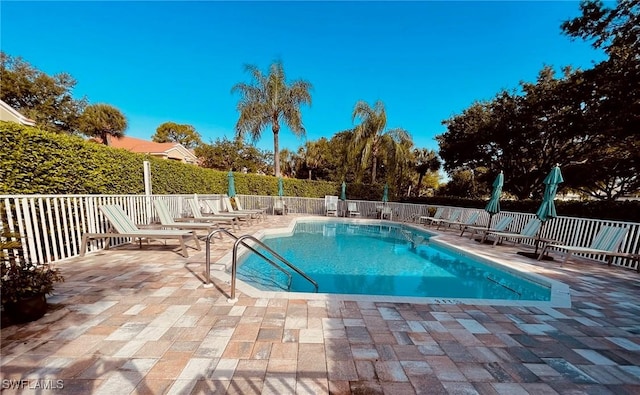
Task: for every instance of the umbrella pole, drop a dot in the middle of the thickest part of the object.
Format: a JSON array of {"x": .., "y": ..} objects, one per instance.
[{"x": 489, "y": 225}]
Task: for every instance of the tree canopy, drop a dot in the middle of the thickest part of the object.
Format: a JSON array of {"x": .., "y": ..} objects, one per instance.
[
  {"x": 103, "y": 121},
  {"x": 46, "y": 99},
  {"x": 171, "y": 132},
  {"x": 268, "y": 100},
  {"x": 587, "y": 121}
]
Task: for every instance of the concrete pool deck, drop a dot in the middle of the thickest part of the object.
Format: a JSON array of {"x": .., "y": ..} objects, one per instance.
[{"x": 140, "y": 321}]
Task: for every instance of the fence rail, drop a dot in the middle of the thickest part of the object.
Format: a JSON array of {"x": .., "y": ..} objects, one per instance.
[{"x": 51, "y": 226}]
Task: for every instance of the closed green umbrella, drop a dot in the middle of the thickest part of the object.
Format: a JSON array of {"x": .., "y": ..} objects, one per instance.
[
  {"x": 493, "y": 206},
  {"x": 280, "y": 187},
  {"x": 343, "y": 192},
  {"x": 232, "y": 185},
  {"x": 547, "y": 208},
  {"x": 385, "y": 194}
]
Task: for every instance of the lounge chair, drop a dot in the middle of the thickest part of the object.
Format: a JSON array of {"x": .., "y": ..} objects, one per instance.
[
  {"x": 260, "y": 211},
  {"x": 168, "y": 221},
  {"x": 606, "y": 242},
  {"x": 199, "y": 217},
  {"x": 256, "y": 214},
  {"x": 469, "y": 221},
  {"x": 453, "y": 217},
  {"x": 123, "y": 227},
  {"x": 427, "y": 219},
  {"x": 352, "y": 209},
  {"x": 501, "y": 226},
  {"x": 528, "y": 232},
  {"x": 331, "y": 205},
  {"x": 214, "y": 209}
]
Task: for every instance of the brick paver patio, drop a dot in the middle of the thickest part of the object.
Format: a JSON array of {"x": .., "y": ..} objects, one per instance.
[{"x": 140, "y": 321}]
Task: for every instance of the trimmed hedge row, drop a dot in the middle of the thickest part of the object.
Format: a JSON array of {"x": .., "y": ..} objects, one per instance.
[{"x": 34, "y": 161}]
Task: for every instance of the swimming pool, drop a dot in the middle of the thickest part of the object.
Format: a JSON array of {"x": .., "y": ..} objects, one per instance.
[{"x": 382, "y": 259}]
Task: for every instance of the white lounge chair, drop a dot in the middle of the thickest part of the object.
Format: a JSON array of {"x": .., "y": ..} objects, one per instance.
[
  {"x": 469, "y": 221},
  {"x": 500, "y": 226},
  {"x": 427, "y": 219},
  {"x": 256, "y": 214},
  {"x": 216, "y": 212},
  {"x": 606, "y": 242},
  {"x": 168, "y": 221},
  {"x": 528, "y": 232},
  {"x": 260, "y": 211},
  {"x": 199, "y": 217},
  {"x": 123, "y": 227},
  {"x": 453, "y": 217}
]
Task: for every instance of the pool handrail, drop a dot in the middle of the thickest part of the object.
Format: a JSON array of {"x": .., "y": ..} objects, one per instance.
[
  {"x": 234, "y": 263},
  {"x": 209, "y": 284}
]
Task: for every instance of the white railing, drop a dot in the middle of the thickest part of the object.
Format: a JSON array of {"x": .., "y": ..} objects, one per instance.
[{"x": 51, "y": 226}]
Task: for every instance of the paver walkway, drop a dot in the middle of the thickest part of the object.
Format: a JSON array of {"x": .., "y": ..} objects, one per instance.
[{"x": 140, "y": 322}]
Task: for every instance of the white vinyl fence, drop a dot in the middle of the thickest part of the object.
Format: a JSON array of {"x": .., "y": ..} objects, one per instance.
[{"x": 51, "y": 226}]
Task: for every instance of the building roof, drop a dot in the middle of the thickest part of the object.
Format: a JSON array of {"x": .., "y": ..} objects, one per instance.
[
  {"x": 168, "y": 150},
  {"x": 8, "y": 113}
]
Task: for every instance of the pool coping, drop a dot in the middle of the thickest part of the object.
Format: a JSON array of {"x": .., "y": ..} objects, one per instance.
[{"x": 560, "y": 293}]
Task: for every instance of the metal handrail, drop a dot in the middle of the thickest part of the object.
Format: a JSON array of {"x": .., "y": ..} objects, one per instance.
[
  {"x": 234, "y": 263},
  {"x": 209, "y": 284},
  {"x": 240, "y": 241}
]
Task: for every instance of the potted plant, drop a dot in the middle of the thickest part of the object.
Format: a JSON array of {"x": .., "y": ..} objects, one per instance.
[{"x": 24, "y": 284}]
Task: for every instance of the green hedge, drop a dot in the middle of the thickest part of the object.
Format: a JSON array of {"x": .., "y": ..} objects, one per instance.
[
  {"x": 628, "y": 211},
  {"x": 34, "y": 161}
]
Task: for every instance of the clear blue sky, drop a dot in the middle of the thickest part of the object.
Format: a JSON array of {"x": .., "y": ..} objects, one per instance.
[{"x": 177, "y": 61}]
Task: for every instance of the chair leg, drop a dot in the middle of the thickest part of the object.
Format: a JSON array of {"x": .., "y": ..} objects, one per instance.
[
  {"x": 83, "y": 247},
  {"x": 185, "y": 253}
]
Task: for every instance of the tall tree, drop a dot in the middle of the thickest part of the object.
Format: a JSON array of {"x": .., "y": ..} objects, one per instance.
[
  {"x": 611, "y": 99},
  {"x": 46, "y": 99},
  {"x": 425, "y": 161},
  {"x": 171, "y": 132},
  {"x": 268, "y": 100},
  {"x": 225, "y": 155},
  {"x": 371, "y": 139},
  {"x": 103, "y": 121}
]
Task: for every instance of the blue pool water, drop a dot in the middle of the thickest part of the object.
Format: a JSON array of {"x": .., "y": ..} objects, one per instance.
[{"x": 381, "y": 260}]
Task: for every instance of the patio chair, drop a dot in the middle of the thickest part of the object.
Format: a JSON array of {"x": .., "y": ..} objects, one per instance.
[
  {"x": 352, "y": 209},
  {"x": 386, "y": 213},
  {"x": 501, "y": 226},
  {"x": 606, "y": 242},
  {"x": 122, "y": 226},
  {"x": 453, "y": 217},
  {"x": 279, "y": 207},
  {"x": 439, "y": 213},
  {"x": 168, "y": 221},
  {"x": 331, "y": 206},
  {"x": 528, "y": 232},
  {"x": 199, "y": 217},
  {"x": 256, "y": 214},
  {"x": 470, "y": 221},
  {"x": 214, "y": 209}
]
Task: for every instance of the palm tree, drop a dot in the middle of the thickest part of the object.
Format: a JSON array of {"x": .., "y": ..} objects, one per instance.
[
  {"x": 426, "y": 160},
  {"x": 371, "y": 140},
  {"x": 103, "y": 121},
  {"x": 269, "y": 100}
]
